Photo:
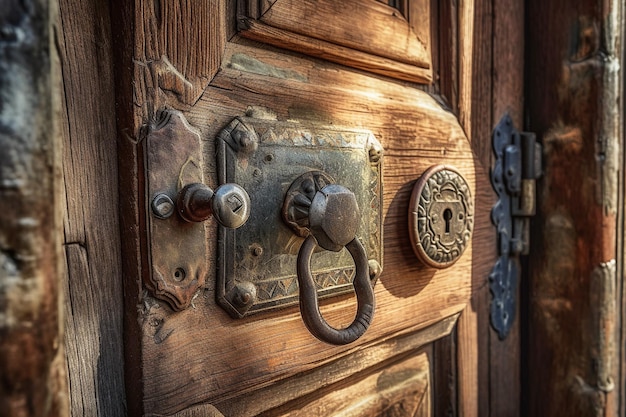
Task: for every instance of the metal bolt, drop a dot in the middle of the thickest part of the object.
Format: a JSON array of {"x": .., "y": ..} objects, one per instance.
[
  {"x": 245, "y": 139},
  {"x": 244, "y": 294},
  {"x": 374, "y": 269},
  {"x": 162, "y": 206},
  {"x": 375, "y": 153}
]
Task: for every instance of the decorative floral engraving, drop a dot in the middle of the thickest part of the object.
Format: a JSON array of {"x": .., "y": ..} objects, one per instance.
[{"x": 443, "y": 217}]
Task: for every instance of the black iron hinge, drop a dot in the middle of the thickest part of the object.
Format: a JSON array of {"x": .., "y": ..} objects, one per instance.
[{"x": 514, "y": 175}]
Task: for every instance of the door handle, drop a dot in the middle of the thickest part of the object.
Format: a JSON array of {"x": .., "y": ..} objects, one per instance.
[
  {"x": 229, "y": 204},
  {"x": 328, "y": 216}
]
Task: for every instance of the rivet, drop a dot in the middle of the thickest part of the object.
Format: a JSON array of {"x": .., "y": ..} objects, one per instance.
[
  {"x": 257, "y": 250},
  {"x": 244, "y": 295}
]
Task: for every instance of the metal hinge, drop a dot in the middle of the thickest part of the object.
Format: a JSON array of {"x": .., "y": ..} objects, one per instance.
[{"x": 514, "y": 175}]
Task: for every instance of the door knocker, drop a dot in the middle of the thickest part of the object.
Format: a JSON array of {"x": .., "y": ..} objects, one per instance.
[{"x": 327, "y": 215}]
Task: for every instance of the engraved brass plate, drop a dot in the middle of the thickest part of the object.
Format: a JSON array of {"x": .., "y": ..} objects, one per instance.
[
  {"x": 257, "y": 262},
  {"x": 441, "y": 216}
]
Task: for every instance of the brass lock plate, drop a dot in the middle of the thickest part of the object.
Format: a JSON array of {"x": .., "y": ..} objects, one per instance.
[
  {"x": 257, "y": 262},
  {"x": 441, "y": 216}
]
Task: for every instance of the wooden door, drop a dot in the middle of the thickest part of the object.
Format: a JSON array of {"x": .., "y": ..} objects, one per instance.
[
  {"x": 411, "y": 75},
  {"x": 429, "y": 81}
]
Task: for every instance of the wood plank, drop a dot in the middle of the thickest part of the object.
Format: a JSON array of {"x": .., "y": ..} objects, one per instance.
[
  {"x": 335, "y": 372},
  {"x": 32, "y": 361},
  {"x": 445, "y": 376},
  {"x": 475, "y": 114},
  {"x": 402, "y": 389},
  {"x": 475, "y": 75},
  {"x": 573, "y": 88},
  {"x": 372, "y": 27},
  {"x": 94, "y": 311},
  {"x": 165, "y": 53}
]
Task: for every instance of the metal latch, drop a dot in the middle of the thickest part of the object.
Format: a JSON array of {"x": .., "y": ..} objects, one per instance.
[{"x": 514, "y": 175}]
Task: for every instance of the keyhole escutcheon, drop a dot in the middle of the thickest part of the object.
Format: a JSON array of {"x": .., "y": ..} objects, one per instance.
[{"x": 447, "y": 216}]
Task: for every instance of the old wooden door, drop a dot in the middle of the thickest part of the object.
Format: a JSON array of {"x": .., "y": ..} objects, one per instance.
[
  {"x": 427, "y": 81},
  {"x": 416, "y": 76}
]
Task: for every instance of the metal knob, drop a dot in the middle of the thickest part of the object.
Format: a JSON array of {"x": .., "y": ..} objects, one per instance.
[
  {"x": 229, "y": 204},
  {"x": 327, "y": 215}
]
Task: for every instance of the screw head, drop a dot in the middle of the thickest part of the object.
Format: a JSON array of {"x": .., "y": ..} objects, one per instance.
[{"x": 162, "y": 206}]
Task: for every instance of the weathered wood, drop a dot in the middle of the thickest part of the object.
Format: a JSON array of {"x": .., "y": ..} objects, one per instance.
[
  {"x": 336, "y": 53},
  {"x": 445, "y": 375},
  {"x": 371, "y": 27},
  {"x": 396, "y": 46},
  {"x": 32, "y": 381},
  {"x": 415, "y": 132},
  {"x": 91, "y": 228},
  {"x": 573, "y": 97},
  {"x": 402, "y": 389},
  {"x": 336, "y": 372},
  {"x": 508, "y": 97},
  {"x": 228, "y": 361},
  {"x": 475, "y": 82}
]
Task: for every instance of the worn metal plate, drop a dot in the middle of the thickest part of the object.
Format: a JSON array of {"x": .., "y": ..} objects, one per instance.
[
  {"x": 257, "y": 262},
  {"x": 177, "y": 250}
]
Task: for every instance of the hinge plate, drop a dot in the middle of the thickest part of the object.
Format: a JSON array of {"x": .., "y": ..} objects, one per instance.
[{"x": 517, "y": 166}]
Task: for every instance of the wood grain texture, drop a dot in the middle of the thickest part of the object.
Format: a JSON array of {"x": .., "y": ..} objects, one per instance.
[
  {"x": 385, "y": 42},
  {"x": 573, "y": 104},
  {"x": 176, "y": 50},
  {"x": 336, "y": 53},
  {"x": 415, "y": 132},
  {"x": 202, "y": 356},
  {"x": 369, "y": 26},
  {"x": 165, "y": 55},
  {"x": 400, "y": 390},
  {"x": 363, "y": 361},
  {"x": 32, "y": 377},
  {"x": 94, "y": 312},
  {"x": 475, "y": 82}
]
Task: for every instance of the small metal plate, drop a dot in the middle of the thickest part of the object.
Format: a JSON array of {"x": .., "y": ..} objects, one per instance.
[
  {"x": 257, "y": 262},
  {"x": 441, "y": 216},
  {"x": 177, "y": 250}
]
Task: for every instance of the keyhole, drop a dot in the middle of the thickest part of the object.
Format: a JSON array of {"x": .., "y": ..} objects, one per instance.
[{"x": 447, "y": 216}]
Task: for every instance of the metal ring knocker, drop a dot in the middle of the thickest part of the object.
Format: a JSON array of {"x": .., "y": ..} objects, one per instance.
[
  {"x": 327, "y": 215},
  {"x": 309, "y": 306}
]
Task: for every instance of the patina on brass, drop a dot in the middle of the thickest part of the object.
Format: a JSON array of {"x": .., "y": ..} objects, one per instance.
[
  {"x": 177, "y": 251},
  {"x": 441, "y": 216},
  {"x": 257, "y": 263}
]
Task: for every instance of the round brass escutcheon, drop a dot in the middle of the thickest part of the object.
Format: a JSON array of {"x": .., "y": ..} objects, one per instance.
[{"x": 441, "y": 216}]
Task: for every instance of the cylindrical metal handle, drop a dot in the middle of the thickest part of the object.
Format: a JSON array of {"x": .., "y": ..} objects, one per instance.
[
  {"x": 229, "y": 204},
  {"x": 309, "y": 306}
]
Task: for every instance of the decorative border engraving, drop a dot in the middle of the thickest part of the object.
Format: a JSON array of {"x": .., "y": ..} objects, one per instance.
[{"x": 257, "y": 263}]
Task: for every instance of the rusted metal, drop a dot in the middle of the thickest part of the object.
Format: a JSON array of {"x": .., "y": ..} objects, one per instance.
[
  {"x": 328, "y": 214},
  {"x": 309, "y": 306},
  {"x": 177, "y": 251},
  {"x": 265, "y": 157},
  {"x": 441, "y": 216}
]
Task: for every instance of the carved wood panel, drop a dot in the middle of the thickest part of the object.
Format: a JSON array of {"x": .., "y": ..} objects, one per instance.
[{"x": 390, "y": 39}]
